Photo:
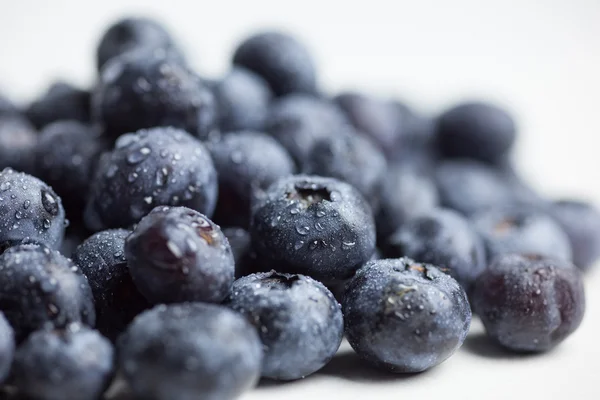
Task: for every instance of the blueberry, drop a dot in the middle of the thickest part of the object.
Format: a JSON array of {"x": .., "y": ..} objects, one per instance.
[
  {"x": 190, "y": 351},
  {"x": 18, "y": 139},
  {"x": 299, "y": 321},
  {"x": 476, "y": 130},
  {"x": 443, "y": 238},
  {"x": 469, "y": 186},
  {"x": 102, "y": 260},
  {"x": 159, "y": 166},
  {"x": 243, "y": 99},
  {"x": 521, "y": 230},
  {"x": 241, "y": 247},
  {"x": 7, "y": 107},
  {"x": 406, "y": 193},
  {"x": 404, "y": 316},
  {"x": 581, "y": 222},
  {"x": 74, "y": 363},
  {"x": 7, "y": 347},
  {"x": 130, "y": 34},
  {"x": 143, "y": 90},
  {"x": 315, "y": 226},
  {"x": 29, "y": 209},
  {"x": 61, "y": 101},
  {"x": 392, "y": 125},
  {"x": 176, "y": 254},
  {"x": 42, "y": 289},
  {"x": 247, "y": 163},
  {"x": 298, "y": 122},
  {"x": 281, "y": 60},
  {"x": 66, "y": 155},
  {"x": 529, "y": 303},
  {"x": 350, "y": 157}
]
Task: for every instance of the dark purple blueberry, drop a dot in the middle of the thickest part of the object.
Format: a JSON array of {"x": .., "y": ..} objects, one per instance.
[
  {"x": 144, "y": 89},
  {"x": 18, "y": 139},
  {"x": 190, "y": 351},
  {"x": 176, "y": 254},
  {"x": 279, "y": 59},
  {"x": 581, "y": 222},
  {"x": 243, "y": 99},
  {"x": 470, "y": 186},
  {"x": 350, "y": 157},
  {"x": 529, "y": 303},
  {"x": 476, "y": 130},
  {"x": 29, "y": 210},
  {"x": 379, "y": 119},
  {"x": 315, "y": 226},
  {"x": 61, "y": 101},
  {"x": 247, "y": 163},
  {"x": 66, "y": 155},
  {"x": 7, "y": 347},
  {"x": 406, "y": 193},
  {"x": 298, "y": 122},
  {"x": 102, "y": 259},
  {"x": 299, "y": 321},
  {"x": 443, "y": 238},
  {"x": 75, "y": 363},
  {"x": 521, "y": 229},
  {"x": 159, "y": 166},
  {"x": 404, "y": 316},
  {"x": 392, "y": 126},
  {"x": 42, "y": 289},
  {"x": 130, "y": 34}
]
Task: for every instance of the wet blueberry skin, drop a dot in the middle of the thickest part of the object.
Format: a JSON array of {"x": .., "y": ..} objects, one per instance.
[
  {"x": 176, "y": 254},
  {"x": 477, "y": 130},
  {"x": 76, "y": 360},
  {"x": 101, "y": 258},
  {"x": 146, "y": 89},
  {"x": 406, "y": 193},
  {"x": 247, "y": 163},
  {"x": 18, "y": 139},
  {"x": 443, "y": 238},
  {"x": 42, "y": 289},
  {"x": 299, "y": 121},
  {"x": 159, "y": 166},
  {"x": 29, "y": 209},
  {"x": 299, "y": 321},
  {"x": 66, "y": 155},
  {"x": 529, "y": 303},
  {"x": 243, "y": 99},
  {"x": 404, "y": 316},
  {"x": 521, "y": 229},
  {"x": 190, "y": 351},
  {"x": 352, "y": 158},
  {"x": 130, "y": 34},
  {"x": 581, "y": 222},
  {"x": 279, "y": 59},
  {"x": 62, "y": 101},
  {"x": 316, "y": 226},
  {"x": 7, "y": 347}
]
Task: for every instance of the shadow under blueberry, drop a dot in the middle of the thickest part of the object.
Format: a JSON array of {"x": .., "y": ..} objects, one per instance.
[
  {"x": 348, "y": 365},
  {"x": 480, "y": 345},
  {"x": 345, "y": 365}
]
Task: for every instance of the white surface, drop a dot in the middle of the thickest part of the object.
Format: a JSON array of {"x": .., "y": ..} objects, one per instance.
[{"x": 540, "y": 58}]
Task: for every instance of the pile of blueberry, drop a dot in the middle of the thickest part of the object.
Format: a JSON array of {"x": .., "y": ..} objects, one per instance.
[{"x": 220, "y": 231}]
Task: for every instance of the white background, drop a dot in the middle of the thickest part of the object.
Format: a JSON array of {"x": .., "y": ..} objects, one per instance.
[{"x": 539, "y": 58}]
